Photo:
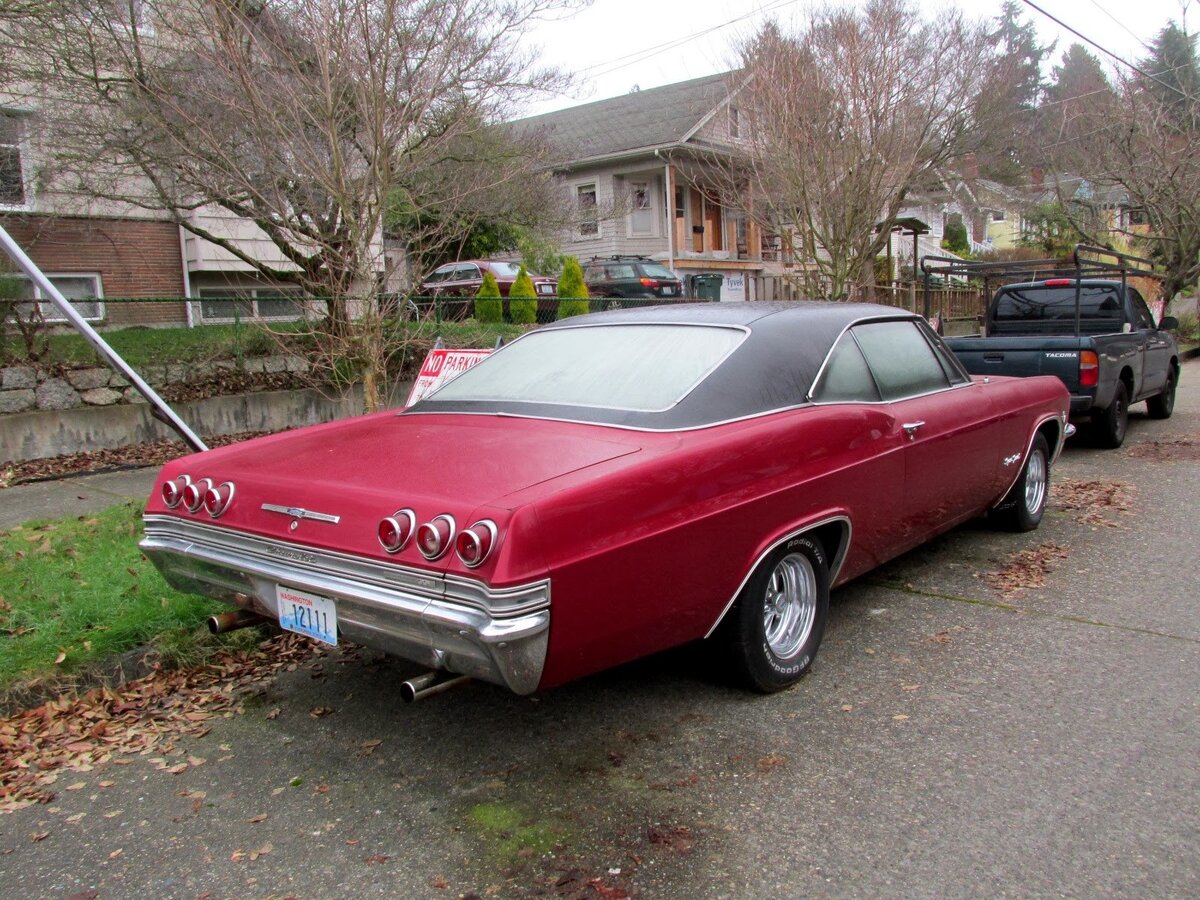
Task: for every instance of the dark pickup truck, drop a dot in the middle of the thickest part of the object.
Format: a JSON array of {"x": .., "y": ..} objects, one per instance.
[{"x": 1098, "y": 336}]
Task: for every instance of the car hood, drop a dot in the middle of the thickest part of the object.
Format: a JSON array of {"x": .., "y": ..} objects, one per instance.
[{"x": 365, "y": 469}]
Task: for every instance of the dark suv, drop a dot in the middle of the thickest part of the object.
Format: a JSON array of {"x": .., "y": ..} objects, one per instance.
[{"x": 632, "y": 277}]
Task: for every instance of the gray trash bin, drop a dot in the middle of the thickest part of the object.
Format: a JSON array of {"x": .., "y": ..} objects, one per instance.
[{"x": 707, "y": 286}]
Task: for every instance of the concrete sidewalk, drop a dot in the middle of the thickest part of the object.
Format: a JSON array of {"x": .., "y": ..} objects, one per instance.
[{"x": 73, "y": 496}]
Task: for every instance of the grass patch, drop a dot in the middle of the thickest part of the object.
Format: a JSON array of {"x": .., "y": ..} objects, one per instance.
[
  {"x": 509, "y": 832},
  {"x": 76, "y": 591}
]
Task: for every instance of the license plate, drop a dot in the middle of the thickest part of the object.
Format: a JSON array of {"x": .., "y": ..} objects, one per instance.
[
  {"x": 307, "y": 614},
  {"x": 668, "y": 291}
]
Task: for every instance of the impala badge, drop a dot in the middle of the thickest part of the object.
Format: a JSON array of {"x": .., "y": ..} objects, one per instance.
[
  {"x": 297, "y": 514},
  {"x": 1009, "y": 460}
]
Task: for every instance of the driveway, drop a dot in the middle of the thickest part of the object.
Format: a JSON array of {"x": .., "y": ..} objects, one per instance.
[{"x": 959, "y": 735}]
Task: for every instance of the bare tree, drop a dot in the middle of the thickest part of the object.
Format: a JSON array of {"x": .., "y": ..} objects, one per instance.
[
  {"x": 1143, "y": 138},
  {"x": 848, "y": 115},
  {"x": 309, "y": 118}
]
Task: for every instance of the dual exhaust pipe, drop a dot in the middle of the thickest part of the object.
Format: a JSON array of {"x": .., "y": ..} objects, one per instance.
[{"x": 417, "y": 688}]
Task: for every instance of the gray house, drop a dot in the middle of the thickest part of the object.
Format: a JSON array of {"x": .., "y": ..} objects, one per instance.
[{"x": 654, "y": 173}]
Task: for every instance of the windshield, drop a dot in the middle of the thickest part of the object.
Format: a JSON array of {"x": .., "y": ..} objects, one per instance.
[{"x": 644, "y": 368}]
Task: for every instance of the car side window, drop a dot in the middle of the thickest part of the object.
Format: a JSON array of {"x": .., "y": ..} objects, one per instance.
[
  {"x": 845, "y": 378},
  {"x": 950, "y": 365},
  {"x": 466, "y": 273},
  {"x": 1141, "y": 311},
  {"x": 441, "y": 274},
  {"x": 902, "y": 361}
]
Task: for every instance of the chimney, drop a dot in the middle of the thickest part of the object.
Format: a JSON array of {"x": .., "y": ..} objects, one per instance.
[
  {"x": 1037, "y": 178},
  {"x": 970, "y": 166}
]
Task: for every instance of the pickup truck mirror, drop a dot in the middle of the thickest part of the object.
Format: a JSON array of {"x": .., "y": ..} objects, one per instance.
[{"x": 1168, "y": 323}]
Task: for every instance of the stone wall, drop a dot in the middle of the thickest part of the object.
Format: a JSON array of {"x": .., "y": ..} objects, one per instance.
[{"x": 24, "y": 388}]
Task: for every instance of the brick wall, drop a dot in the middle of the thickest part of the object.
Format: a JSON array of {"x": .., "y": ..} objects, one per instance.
[{"x": 134, "y": 259}]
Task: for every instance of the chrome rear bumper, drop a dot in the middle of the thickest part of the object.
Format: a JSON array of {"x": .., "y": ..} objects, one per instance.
[{"x": 441, "y": 622}]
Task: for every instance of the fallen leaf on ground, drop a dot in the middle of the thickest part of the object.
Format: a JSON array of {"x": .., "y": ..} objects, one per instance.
[
  {"x": 1027, "y": 569},
  {"x": 139, "y": 717}
]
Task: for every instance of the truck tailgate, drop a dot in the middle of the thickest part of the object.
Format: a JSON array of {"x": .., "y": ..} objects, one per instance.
[{"x": 1021, "y": 356}]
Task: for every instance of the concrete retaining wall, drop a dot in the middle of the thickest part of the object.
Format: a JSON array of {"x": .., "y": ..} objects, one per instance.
[{"x": 45, "y": 433}]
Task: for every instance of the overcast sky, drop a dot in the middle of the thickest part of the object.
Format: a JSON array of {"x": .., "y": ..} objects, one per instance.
[{"x": 617, "y": 44}]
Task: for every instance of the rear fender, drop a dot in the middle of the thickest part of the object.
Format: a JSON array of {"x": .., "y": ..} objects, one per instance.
[{"x": 833, "y": 533}]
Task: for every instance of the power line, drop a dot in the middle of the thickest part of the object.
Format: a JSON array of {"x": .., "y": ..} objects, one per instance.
[
  {"x": 1120, "y": 24},
  {"x": 1061, "y": 24},
  {"x": 630, "y": 59}
]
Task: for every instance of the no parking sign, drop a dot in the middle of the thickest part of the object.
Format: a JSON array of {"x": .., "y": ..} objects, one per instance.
[{"x": 440, "y": 366}]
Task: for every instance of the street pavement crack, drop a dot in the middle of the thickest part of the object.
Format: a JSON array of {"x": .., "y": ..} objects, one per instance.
[{"x": 1032, "y": 611}]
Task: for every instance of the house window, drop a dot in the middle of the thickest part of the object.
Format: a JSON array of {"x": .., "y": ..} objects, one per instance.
[
  {"x": 998, "y": 215},
  {"x": 589, "y": 223},
  {"x": 231, "y": 304},
  {"x": 641, "y": 217},
  {"x": 82, "y": 291},
  {"x": 735, "y": 123},
  {"x": 12, "y": 176}
]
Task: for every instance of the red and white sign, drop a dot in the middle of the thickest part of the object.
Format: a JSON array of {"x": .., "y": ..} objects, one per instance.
[{"x": 440, "y": 366}]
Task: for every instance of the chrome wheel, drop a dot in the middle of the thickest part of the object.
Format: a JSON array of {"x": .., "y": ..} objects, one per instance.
[
  {"x": 1036, "y": 473},
  {"x": 789, "y": 605}
]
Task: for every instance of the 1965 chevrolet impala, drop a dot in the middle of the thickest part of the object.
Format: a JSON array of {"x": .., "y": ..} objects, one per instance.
[{"x": 612, "y": 485}]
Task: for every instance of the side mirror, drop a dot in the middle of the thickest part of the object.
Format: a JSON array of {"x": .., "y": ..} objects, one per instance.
[{"x": 1168, "y": 323}]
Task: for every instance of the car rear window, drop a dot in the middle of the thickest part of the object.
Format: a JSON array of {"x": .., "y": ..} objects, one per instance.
[
  {"x": 643, "y": 368},
  {"x": 654, "y": 270},
  {"x": 506, "y": 269},
  {"x": 1052, "y": 309}
]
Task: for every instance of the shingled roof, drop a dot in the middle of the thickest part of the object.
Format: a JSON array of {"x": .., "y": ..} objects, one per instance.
[{"x": 655, "y": 117}]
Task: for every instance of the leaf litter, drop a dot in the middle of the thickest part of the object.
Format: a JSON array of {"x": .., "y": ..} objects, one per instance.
[
  {"x": 142, "y": 717},
  {"x": 1181, "y": 450},
  {"x": 1090, "y": 500},
  {"x": 1027, "y": 569}
]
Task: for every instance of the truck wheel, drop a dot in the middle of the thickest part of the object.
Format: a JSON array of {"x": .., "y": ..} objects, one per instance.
[
  {"x": 1162, "y": 405},
  {"x": 1109, "y": 424},
  {"x": 1023, "y": 507},
  {"x": 779, "y": 619}
]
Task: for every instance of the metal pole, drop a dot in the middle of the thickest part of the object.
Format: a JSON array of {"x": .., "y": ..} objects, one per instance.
[{"x": 159, "y": 408}]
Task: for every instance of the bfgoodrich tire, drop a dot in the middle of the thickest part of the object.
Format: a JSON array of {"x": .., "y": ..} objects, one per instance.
[
  {"x": 1109, "y": 424},
  {"x": 1023, "y": 507},
  {"x": 779, "y": 619},
  {"x": 1162, "y": 405}
]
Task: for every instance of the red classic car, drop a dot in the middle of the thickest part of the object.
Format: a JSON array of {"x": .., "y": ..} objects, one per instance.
[
  {"x": 464, "y": 278},
  {"x": 614, "y": 485}
]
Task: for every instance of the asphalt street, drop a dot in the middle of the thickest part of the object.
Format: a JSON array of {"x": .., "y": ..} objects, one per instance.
[{"x": 952, "y": 740}]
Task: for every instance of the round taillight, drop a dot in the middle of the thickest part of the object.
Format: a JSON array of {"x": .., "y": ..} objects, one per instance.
[
  {"x": 395, "y": 531},
  {"x": 474, "y": 544},
  {"x": 193, "y": 494},
  {"x": 172, "y": 491},
  {"x": 434, "y": 538},
  {"x": 217, "y": 499}
]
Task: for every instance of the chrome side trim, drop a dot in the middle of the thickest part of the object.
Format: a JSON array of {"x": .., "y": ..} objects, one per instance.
[
  {"x": 834, "y": 568},
  {"x": 1061, "y": 419}
]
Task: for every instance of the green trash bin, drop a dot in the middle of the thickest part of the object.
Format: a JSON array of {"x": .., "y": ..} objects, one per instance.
[{"x": 707, "y": 286}]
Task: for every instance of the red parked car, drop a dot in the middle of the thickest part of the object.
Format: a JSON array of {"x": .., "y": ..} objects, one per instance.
[
  {"x": 613, "y": 485},
  {"x": 464, "y": 278}
]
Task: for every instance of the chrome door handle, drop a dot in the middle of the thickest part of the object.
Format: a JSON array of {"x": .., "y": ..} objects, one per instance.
[{"x": 911, "y": 428}]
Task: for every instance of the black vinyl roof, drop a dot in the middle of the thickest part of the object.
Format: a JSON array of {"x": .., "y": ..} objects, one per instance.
[{"x": 773, "y": 368}]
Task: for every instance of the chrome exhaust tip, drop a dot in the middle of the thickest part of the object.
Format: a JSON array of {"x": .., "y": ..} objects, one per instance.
[
  {"x": 422, "y": 686},
  {"x": 231, "y": 621}
]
